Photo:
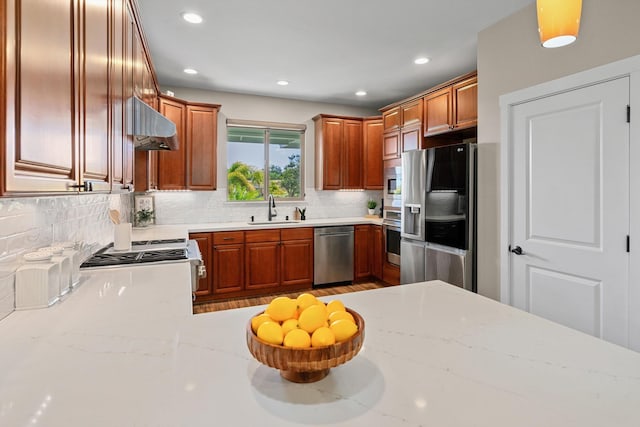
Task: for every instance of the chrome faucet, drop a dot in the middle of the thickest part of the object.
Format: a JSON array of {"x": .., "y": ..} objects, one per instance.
[{"x": 272, "y": 204}]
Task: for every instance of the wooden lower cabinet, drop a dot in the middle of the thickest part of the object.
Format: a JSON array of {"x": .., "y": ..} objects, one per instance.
[
  {"x": 262, "y": 259},
  {"x": 205, "y": 244},
  {"x": 368, "y": 256},
  {"x": 256, "y": 262},
  {"x": 297, "y": 257},
  {"x": 377, "y": 255},
  {"x": 362, "y": 255}
]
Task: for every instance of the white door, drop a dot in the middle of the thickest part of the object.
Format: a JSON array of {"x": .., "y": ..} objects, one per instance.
[{"x": 570, "y": 209}]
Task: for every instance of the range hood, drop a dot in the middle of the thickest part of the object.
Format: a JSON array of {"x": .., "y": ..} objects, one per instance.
[{"x": 150, "y": 129}]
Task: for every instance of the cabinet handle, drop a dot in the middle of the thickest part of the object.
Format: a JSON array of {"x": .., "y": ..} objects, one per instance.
[
  {"x": 228, "y": 238},
  {"x": 86, "y": 186}
]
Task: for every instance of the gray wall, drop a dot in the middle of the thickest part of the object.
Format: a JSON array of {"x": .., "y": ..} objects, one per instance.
[{"x": 510, "y": 58}]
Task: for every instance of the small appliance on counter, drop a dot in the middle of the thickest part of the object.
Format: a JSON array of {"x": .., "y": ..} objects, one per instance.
[{"x": 438, "y": 215}]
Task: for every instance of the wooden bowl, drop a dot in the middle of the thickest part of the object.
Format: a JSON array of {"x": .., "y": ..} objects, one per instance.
[{"x": 306, "y": 365}]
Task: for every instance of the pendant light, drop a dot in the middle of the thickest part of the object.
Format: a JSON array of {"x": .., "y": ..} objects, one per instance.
[{"x": 558, "y": 21}]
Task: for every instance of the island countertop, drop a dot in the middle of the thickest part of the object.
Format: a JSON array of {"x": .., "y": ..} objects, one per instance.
[{"x": 123, "y": 349}]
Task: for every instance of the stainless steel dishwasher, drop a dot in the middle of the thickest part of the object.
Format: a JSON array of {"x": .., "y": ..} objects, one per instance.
[{"x": 333, "y": 255}]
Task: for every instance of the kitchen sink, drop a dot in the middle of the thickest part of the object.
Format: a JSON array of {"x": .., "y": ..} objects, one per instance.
[{"x": 272, "y": 222}]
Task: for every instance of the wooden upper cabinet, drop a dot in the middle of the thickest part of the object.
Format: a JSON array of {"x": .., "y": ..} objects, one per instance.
[
  {"x": 438, "y": 112},
  {"x": 95, "y": 128},
  {"x": 39, "y": 84},
  {"x": 411, "y": 137},
  {"x": 391, "y": 119},
  {"x": 201, "y": 147},
  {"x": 172, "y": 165},
  {"x": 411, "y": 112},
  {"x": 452, "y": 108},
  {"x": 372, "y": 130},
  {"x": 339, "y": 153},
  {"x": 193, "y": 164},
  {"x": 465, "y": 103},
  {"x": 353, "y": 155},
  {"x": 330, "y": 145},
  {"x": 391, "y": 145}
]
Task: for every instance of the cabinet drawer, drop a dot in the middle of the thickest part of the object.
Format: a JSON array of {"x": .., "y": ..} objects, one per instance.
[
  {"x": 296, "y": 233},
  {"x": 228, "y": 237},
  {"x": 262, "y": 236}
]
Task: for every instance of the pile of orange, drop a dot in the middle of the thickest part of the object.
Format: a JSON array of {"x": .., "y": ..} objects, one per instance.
[{"x": 304, "y": 322}]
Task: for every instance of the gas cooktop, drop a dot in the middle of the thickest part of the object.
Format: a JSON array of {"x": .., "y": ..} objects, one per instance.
[{"x": 143, "y": 251}]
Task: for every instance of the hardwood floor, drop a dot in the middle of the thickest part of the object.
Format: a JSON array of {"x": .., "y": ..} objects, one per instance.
[{"x": 249, "y": 302}]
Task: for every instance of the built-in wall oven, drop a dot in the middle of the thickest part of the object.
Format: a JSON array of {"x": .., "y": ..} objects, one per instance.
[{"x": 391, "y": 229}]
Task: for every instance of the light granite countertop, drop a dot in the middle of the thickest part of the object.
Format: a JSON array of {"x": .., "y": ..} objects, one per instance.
[
  {"x": 175, "y": 230},
  {"x": 123, "y": 349}
]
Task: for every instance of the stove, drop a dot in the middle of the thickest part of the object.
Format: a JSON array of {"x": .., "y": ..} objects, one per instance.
[{"x": 147, "y": 252}]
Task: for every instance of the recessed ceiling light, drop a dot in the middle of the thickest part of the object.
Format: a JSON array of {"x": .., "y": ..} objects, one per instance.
[
  {"x": 282, "y": 82},
  {"x": 192, "y": 18},
  {"x": 421, "y": 60},
  {"x": 190, "y": 71},
  {"x": 361, "y": 93}
]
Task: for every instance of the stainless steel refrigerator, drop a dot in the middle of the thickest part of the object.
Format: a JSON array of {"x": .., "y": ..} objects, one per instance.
[{"x": 438, "y": 215}]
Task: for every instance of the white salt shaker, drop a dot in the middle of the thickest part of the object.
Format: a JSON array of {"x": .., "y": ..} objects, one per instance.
[
  {"x": 64, "y": 262},
  {"x": 37, "y": 281}
]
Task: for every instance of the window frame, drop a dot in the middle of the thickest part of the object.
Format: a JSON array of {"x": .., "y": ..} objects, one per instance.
[{"x": 268, "y": 127}]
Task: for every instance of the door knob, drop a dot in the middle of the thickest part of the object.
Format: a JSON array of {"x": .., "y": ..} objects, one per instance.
[{"x": 517, "y": 250}]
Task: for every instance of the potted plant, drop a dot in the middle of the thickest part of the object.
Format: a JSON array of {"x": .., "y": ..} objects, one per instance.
[
  {"x": 144, "y": 217},
  {"x": 371, "y": 205}
]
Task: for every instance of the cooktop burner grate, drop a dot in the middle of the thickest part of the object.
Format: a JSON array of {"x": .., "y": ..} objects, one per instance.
[{"x": 111, "y": 259}]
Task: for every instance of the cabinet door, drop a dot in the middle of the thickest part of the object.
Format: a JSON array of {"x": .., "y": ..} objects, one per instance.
[
  {"x": 39, "y": 89},
  {"x": 411, "y": 112},
  {"x": 262, "y": 266},
  {"x": 353, "y": 155},
  {"x": 411, "y": 137},
  {"x": 117, "y": 93},
  {"x": 391, "y": 119},
  {"x": 172, "y": 164},
  {"x": 95, "y": 78},
  {"x": 377, "y": 252},
  {"x": 437, "y": 112},
  {"x": 465, "y": 103},
  {"x": 205, "y": 244},
  {"x": 373, "y": 179},
  {"x": 332, "y": 134},
  {"x": 228, "y": 268},
  {"x": 297, "y": 262},
  {"x": 201, "y": 147},
  {"x": 391, "y": 145},
  {"x": 361, "y": 263}
]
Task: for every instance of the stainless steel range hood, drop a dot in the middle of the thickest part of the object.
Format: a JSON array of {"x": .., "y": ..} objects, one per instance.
[{"x": 150, "y": 129}]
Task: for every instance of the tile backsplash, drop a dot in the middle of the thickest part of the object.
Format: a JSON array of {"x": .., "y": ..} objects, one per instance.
[
  {"x": 193, "y": 207},
  {"x": 28, "y": 223}
]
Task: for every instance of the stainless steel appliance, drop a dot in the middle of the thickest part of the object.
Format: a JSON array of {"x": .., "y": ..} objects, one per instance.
[
  {"x": 393, "y": 188},
  {"x": 438, "y": 215},
  {"x": 333, "y": 255},
  {"x": 151, "y": 251},
  {"x": 391, "y": 225}
]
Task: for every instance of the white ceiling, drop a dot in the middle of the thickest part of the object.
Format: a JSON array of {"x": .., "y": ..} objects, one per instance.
[{"x": 327, "y": 49}]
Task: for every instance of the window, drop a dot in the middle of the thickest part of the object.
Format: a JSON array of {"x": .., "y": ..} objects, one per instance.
[{"x": 253, "y": 148}]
